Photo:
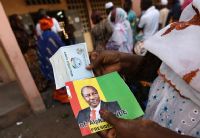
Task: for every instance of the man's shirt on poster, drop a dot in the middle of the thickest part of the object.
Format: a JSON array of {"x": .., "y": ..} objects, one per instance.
[{"x": 97, "y": 109}]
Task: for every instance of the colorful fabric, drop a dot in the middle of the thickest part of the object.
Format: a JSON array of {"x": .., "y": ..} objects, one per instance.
[
  {"x": 32, "y": 58},
  {"x": 122, "y": 37},
  {"x": 55, "y": 28},
  {"x": 60, "y": 95},
  {"x": 169, "y": 109},
  {"x": 48, "y": 44},
  {"x": 185, "y": 4},
  {"x": 101, "y": 33},
  {"x": 46, "y": 23},
  {"x": 132, "y": 18}
]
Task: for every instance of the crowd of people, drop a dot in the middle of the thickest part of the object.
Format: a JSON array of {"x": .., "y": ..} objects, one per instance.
[
  {"x": 157, "y": 53},
  {"x": 170, "y": 38},
  {"x": 123, "y": 31}
]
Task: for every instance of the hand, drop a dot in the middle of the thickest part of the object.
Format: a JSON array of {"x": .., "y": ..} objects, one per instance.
[
  {"x": 109, "y": 61},
  {"x": 105, "y": 62},
  {"x": 135, "y": 128}
]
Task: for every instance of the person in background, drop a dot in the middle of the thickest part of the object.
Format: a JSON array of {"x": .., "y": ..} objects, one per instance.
[
  {"x": 109, "y": 7},
  {"x": 174, "y": 11},
  {"x": 173, "y": 109},
  {"x": 20, "y": 32},
  {"x": 185, "y": 4},
  {"x": 48, "y": 43},
  {"x": 101, "y": 31},
  {"x": 148, "y": 25},
  {"x": 132, "y": 18},
  {"x": 122, "y": 37},
  {"x": 149, "y": 21},
  {"x": 70, "y": 29},
  {"x": 43, "y": 16},
  {"x": 27, "y": 43},
  {"x": 164, "y": 11}
]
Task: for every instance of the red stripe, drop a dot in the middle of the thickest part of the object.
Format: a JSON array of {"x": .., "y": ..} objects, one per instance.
[
  {"x": 75, "y": 104},
  {"x": 74, "y": 99},
  {"x": 85, "y": 131}
]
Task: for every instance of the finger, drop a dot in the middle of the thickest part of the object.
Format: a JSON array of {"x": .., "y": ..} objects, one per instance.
[
  {"x": 105, "y": 58},
  {"x": 109, "y": 117},
  {"x": 93, "y": 56},
  {"x": 90, "y": 67},
  {"x": 99, "y": 71},
  {"x": 95, "y": 64},
  {"x": 114, "y": 67},
  {"x": 112, "y": 57},
  {"x": 111, "y": 133},
  {"x": 103, "y": 134}
]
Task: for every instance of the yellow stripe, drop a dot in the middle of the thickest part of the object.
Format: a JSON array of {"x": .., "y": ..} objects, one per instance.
[{"x": 91, "y": 82}]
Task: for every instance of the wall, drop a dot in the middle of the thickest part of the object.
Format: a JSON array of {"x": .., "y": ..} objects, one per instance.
[
  {"x": 14, "y": 55},
  {"x": 6, "y": 69},
  {"x": 20, "y": 7}
]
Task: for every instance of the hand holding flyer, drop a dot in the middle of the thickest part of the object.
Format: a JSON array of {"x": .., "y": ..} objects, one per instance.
[
  {"x": 90, "y": 95},
  {"x": 108, "y": 92}
]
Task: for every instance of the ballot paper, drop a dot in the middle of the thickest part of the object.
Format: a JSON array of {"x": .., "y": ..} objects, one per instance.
[{"x": 69, "y": 64}]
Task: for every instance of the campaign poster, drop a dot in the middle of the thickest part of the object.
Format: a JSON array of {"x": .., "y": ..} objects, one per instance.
[{"x": 108, "y": 92}]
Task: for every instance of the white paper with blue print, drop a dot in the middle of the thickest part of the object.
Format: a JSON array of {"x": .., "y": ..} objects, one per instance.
[{"x": 69, "y": 64}]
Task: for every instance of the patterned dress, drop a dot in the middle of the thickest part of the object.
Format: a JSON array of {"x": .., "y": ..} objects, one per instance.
[
  {"x": 101, "y": 33},
  {"x": 48, "y": 44},
  {"x": 169, "y": 109}
]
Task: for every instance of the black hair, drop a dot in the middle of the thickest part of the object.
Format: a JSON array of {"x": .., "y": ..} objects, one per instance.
[
  {"x": 42, "y": 13},
  {"x": 96, "y": 17},
  {"x": 127, "y": 5},
  {"x": 88, "y": 86},
  {"x": 109, "y": 10},
  {"x": 113, "y": 15},
  {"x": 145, "y": 4}
]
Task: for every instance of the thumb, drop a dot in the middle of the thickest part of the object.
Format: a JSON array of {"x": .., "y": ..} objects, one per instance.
[
  {"x": 90, "y": 67},
  {"x": 109, "y": 117},
  {"x": 95, "y": 63},
  {"x": 93, "y": 56}
]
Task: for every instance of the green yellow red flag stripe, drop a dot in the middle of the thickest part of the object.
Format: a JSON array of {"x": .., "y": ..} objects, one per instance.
[{"x": 110, "y": 87}]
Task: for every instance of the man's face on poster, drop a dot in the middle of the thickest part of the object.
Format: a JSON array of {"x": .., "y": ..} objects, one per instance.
[{"x": 91, "y": 96}]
